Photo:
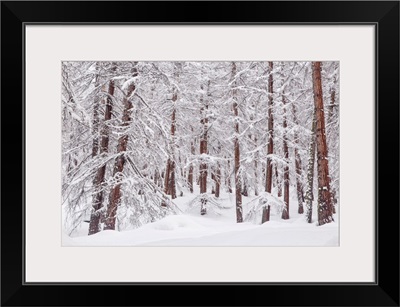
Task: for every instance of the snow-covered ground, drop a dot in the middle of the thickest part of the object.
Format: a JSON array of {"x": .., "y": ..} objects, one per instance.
[{"x": 218, "y": 228}]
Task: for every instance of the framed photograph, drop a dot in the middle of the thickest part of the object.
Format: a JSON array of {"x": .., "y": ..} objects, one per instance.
[{"x": 238, "y": 146}]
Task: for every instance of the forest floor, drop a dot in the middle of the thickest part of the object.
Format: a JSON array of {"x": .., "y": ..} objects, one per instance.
[{"x": 217, "y": 228}]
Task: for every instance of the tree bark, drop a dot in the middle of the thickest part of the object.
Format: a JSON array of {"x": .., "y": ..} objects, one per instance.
[
  {"x": 239, "y": 210},
  {"x": 278, "y": 181},
  {"x": 115, "y": 194},
  {"x": 203, "y": 150},
  {"x": 190, "y": 176},
  {"x": 169, "y": 178},
  {"x": 256, "y": 169},
  {"x": 285, "y": 212},
  {"x": 244, "y": 185},
  {"x": 299, "y": 184},
  {"x": 324, "y": 195},
  {"x": 310, "y": 171},
  {"x": 96, "y": 120},
  {"x": 333, "y": 98},
  {"x": 255, "y": 178},
  {"x": 270, "y": 149},
  {"x": 228, "y": 176},
  {"x": 98, "y": 182},
  {"x": 172, "y": 182},
  {"x": 217, "y": 180},
  {"x": 166, "y": 179},
  {"x": 331, "y": 111},
  {"x": 265, "y": 214},
  {"x": 213, "y": 179}
]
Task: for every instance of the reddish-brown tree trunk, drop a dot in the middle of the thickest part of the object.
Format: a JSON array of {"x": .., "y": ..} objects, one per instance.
[
  {"x": 228, "y": 176},
  {"x": 256, "y": 169},
  {"x": 239, "y": 210},
  {"x": 172, "y": 188},
  {"x": 265, "y": 214},
  {"x": 333, "y": 98},
  {"x": 270, "y": 149},
  {"x": 169, "y": 178},
  {"x": 172, "y": 180},
  {"x": 203, "y": 150},
  {"x": 285, "y": 212},
  {"x": 115, "y": 194},
  {"x": 190, "y": 176},
  {"x": 96, "y": 103},
  {"x": 324, "y": 197},
  {"x": 217, "y": 181},
  {"x": 98, "y": 195}
]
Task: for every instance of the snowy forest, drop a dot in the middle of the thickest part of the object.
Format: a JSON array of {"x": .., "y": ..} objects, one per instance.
[{"x": 200, "y": 153}]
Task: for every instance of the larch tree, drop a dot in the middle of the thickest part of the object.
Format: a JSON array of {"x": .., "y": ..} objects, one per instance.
[
  {"x": 191, "y": 168},
  {"x": 331, "y": 73},
  {"x": 270, "y": 150},
  {"x": 98, "y": 181},
  {"x": 115, "y": 194},
  {"x": 203, "y": 151},
  {"x": 325, "y": 213},
  {"x": 286, "y": 182},
  {"x": 238, "y": 192}
]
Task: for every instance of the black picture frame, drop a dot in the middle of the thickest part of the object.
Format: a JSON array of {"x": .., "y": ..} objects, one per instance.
[{"x": 384, "y": 292}]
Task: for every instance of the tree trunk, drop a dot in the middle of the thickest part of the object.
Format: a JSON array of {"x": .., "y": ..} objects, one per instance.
[
  {"x": 98, "y": 182},
  {"x": 167, "y": 178},
  {"x": 172, "y": 182},
  {"x": 324, "y": 195},
  {"x": 256, "y": 179},
  {"x": 265, "y": 214},
  {"x": 217, "y": 180},
  {"x": 256, "y": 171},
  {"x": 331, "y": 111},
  {"x": 96, "y": 103},
  {"x": 299, "y": 184},
  {"x": 190, "y": 176},
  {"x": 244, "y": 187},
  {"x": 278, "y": 181},
  {"x": 270, "y": 149},
  {"x": 285, "y": 212},
  {"x": 310, "y": 171},
  {"x": 239, "y": 211},
  {"x": 203, "y": 150},
  {"x": 228, "y": 177},
  {"x": 213, "y": 179},
  {"x": 115, "y": 194},
  {"x": 333, "y": 98}
]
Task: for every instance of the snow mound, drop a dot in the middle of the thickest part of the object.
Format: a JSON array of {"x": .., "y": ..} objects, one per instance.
[{"x": 174, "y": 222}]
